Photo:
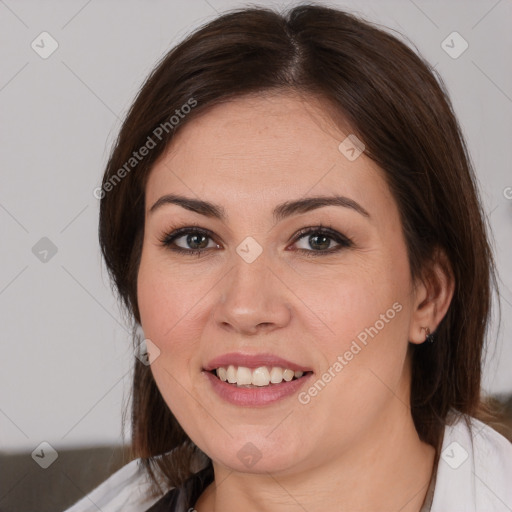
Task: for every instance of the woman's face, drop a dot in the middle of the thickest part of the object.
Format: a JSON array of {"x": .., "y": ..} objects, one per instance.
[{"x": 337, "y": 304}]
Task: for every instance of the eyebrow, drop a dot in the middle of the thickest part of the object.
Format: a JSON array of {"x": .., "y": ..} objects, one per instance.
[{"x": 280, "y": 212}]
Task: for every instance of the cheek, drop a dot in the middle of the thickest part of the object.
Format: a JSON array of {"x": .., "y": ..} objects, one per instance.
[
  {"x": 346, "y": 303},
  {"x": 363, "y": 345},
  {"x": 168, "y": 299},
  {"x": 362, "y": 335},
  {"x": 168, "y": 306}
]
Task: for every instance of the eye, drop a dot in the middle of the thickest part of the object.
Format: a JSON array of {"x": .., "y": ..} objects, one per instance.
[
  {"x": 318, "y": 241},
  {"x": 189, "y": 240}
]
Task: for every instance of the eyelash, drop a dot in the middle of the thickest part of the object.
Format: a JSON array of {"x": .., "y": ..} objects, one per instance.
[{"x": 167, "y": 239}]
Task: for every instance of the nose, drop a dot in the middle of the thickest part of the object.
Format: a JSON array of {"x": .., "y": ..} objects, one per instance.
[{"x": 252, "y": 298}]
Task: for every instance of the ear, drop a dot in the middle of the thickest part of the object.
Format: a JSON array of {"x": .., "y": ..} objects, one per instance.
[{"x": 433, "y": 294}]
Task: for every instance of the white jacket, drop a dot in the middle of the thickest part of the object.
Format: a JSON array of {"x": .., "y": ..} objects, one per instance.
[{"x": 474, "y": 475}]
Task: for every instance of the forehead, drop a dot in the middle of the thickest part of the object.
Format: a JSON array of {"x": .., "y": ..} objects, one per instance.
[{"x": 265, "y": 147}]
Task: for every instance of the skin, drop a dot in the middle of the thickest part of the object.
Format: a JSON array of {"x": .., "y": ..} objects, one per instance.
[{"x": 354, "y": 445}]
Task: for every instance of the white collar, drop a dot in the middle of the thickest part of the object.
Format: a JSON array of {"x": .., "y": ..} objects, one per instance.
[{"x": 475, "y": 469}]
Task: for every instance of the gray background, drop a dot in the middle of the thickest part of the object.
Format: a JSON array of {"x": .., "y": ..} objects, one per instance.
[{"x": 66, "y": 352}]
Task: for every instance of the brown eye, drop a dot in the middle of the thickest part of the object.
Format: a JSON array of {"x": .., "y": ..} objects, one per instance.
[
  {"x": 189, "y": 241},
  {"x": 320, "y": 241},
  {"x": 194, "y": 241}
]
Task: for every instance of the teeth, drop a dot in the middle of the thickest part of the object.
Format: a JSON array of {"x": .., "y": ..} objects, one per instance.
[
  {"x": 262, "y": 376},
  {"x": 230, "y": 374},
  {"x": 276, "y": 375},
  {"x": 222, "y": 374},
  {"x": 243, "y": 376},
  {"x": 288, "y": 375}
]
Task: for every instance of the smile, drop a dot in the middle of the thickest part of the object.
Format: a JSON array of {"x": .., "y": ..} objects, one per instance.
[
  {"x": 258, "y": 377},
  {"x": 242, "y": 393}
]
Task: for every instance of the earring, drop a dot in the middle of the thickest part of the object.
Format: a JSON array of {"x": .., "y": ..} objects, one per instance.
[{"x": 429, "y": 337}]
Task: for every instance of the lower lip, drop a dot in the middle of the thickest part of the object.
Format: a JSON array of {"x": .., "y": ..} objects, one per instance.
[{"x": 263, "y": 395}]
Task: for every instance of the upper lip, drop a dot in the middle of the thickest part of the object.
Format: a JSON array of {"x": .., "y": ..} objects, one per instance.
[{"x": 253, "y": 361}]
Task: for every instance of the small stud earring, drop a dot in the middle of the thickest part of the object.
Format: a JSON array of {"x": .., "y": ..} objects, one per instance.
[{"x": 429, "y": 337}]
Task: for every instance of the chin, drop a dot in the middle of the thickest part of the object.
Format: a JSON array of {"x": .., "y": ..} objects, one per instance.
[{"x": 255, "y": 454}]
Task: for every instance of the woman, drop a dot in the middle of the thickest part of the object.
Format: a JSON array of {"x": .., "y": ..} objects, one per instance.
[{"x": 291, "y": 219}]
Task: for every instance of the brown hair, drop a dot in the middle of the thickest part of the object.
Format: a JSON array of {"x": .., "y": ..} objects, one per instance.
[{"x": 396, "y": 104}]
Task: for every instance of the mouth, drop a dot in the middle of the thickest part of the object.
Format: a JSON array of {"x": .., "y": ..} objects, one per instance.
[
  {"x": 260, "y": 377},
  {"x": 251, "y": 380}
]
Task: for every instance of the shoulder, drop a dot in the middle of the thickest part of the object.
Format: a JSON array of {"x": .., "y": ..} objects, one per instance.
[
  {"x": 475, "y": 469},
  {"x": 127, "y": 490}
]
